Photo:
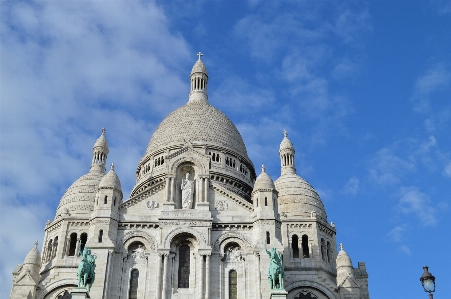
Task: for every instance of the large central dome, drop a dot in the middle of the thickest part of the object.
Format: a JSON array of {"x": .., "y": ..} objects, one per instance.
[{"x": 198, "y": 123}]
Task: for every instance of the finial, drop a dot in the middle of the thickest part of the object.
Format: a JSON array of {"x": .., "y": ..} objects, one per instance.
[
  {"x": 112, "y": 166},
  {"x": 36, "y": 245},
  {"x": 285, "y": 133},
  {"x": 199, "y": 55},
  {"x": 103, "y": 131},
  {"x": 263, "y": 168},
  {"x": 342, "y": 247}
]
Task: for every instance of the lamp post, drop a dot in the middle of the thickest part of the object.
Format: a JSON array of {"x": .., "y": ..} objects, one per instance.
[{"x": 428, "y": 282}]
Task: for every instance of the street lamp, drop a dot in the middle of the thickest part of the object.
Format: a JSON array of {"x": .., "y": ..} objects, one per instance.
[{"x": 428, "y": 282}]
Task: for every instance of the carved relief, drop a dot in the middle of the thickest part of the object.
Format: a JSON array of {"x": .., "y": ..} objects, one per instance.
[
  {"x": 151, "y": 204},
  {"x": 221, "y": 205}
]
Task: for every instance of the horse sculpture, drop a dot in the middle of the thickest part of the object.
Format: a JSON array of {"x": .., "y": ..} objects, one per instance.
[
  {"x": 85, "y": 273},
  {"x": 275, "y": 271}
]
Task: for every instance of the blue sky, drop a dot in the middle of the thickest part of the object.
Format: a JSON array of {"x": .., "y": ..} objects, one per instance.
[{"x": 363, "y": 88}]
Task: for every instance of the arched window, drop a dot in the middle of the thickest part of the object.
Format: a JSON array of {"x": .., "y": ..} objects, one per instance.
[
  {"x": 49, "y": 251},
  {"x": 72, "y": 244},
  {"x": 105, "y": 200},
  {"x": 55, "y": 247},
  {"x": 184, "y": 266},
  {"x": 329, "y": 252},
  {"x": 233, "y": 289},
  {"x": 305, "y": 249},
  {"x": 323, "y": 249},
  {"x": 133, "y": 290},
  {"x": 83, "y": 238},
  {"x": 268, "y": 238},
  {"x": 295, "y": 246},
  {"x": 266, "y": 201},
  {"x": 100, "y": 235}
]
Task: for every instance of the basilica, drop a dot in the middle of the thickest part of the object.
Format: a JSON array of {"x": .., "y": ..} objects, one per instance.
[{"x": 200, "y": 222}]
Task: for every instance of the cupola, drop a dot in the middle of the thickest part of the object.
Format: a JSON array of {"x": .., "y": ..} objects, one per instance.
[
  {"x": 32, "y": 262},
  {"x": 263, "y": 181},
  {"x": 286, "y": 153},
  {"x": 100, "y": 152},
  {"x": 344, "y": 265},
  {"x": 199, "y": 80},
  {"x": 110, "y": 180}
]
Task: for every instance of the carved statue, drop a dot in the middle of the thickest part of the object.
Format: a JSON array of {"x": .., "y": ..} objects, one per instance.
[
  {"x": 187, "y": 192},
  {"x": 85, "y": 272},
  {"x": 275, "y": 271},
  {"x": 139, "y": 253}
]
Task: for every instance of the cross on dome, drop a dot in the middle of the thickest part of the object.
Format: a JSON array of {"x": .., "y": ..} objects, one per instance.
[
  {"x": 36, "y": 245},
  {"x": 199, "y": 55},
  {"x": 112, "y": 166},
  {"x": 103, "y": 131},
  {"x": 285, "y": 133},
  {"x": 263, "y": 168},
  {"x": 341, "y": 247}
]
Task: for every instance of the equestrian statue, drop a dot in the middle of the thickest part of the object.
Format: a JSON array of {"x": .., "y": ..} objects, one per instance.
[
  {"x": 86, "y": 268},
  {"x": 275, "y": 271}
]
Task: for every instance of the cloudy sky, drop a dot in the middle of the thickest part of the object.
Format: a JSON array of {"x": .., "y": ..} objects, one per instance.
[{"x": 363, "y": 88}]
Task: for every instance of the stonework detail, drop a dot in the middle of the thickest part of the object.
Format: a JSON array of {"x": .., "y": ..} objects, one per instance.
[{"x": 196, "y": 224}]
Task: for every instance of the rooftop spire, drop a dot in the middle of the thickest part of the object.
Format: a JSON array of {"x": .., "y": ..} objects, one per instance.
[{"x": 199, "y": 80}]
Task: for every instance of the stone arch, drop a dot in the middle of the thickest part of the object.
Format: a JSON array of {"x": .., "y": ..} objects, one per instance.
[
  {"x": 198, "y": 235},
  {"x": 310, "y": 284},
  {"x": 184, "y": 159},
  {"x": 149, "y": 241},
  {"x": 59, "y": 286},
  {"x": 229, "y": 237}
]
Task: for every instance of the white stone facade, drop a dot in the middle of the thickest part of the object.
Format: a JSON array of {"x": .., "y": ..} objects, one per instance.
[{"x": 149, "y": 246}]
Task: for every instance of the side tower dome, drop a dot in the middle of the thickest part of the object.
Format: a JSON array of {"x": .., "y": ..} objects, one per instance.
[
  {"x": 79, "y": 198},
  {"x": 296, "y": 196}
]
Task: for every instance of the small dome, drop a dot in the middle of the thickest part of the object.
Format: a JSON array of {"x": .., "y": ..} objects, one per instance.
[
  {"x": 286, "y": 143},
  {"x": 298, "y": 198},
  {"x": 110, "y": 180},
  {"x": 199, "y": 67},
  {"x": 343, "y": 259},
  {"x": 264, "y": 181},
  {"x": 79, "y": 198},
  {"x": 101, "y": 141},
  {"x": 33, "y": 257}
]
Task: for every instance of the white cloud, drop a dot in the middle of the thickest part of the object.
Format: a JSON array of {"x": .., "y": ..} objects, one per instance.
[
  {"x": 412, "y": 201},
  {"x": 435, "y": 79},
  {"x": 405, "y": 249},
  {"x": 397, "y": 233},
  {"x": 352, "y": 186},
  {"x": 68, "y": 69},
  {"x": 447, "y": 169},
  {"x": 386, "y": 168}
]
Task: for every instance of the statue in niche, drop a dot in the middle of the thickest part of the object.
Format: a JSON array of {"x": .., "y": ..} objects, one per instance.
[
  {"x": 187, "y": 192},
  {"x": 139, "y": 253},
  {"x": 233, "y": 254}
]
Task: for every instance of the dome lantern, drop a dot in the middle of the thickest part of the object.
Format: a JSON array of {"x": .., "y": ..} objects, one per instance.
[
  {"x": 100, "y": 152},
  {"x": 199, "y": 80},
  {"x": 286, "y": 153}
]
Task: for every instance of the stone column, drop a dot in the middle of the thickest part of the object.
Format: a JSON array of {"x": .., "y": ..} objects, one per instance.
[
  {"x": 207, "y": 278},
  {"x": 76, "y": 247},
  {"x": 167, "y": 188},
  {"x": 206, "y": 189},
  {"x": 259, "y": 279},
  {"x": 201, "y": 277},
  {"x": 172, "y": 189},
  {"x": 165, "y": 275},
  {"x": 158, "y": 287}
]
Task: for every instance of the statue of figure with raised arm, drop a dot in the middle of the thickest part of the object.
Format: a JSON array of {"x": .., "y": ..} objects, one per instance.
[{"x": 187, "y": 192}]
